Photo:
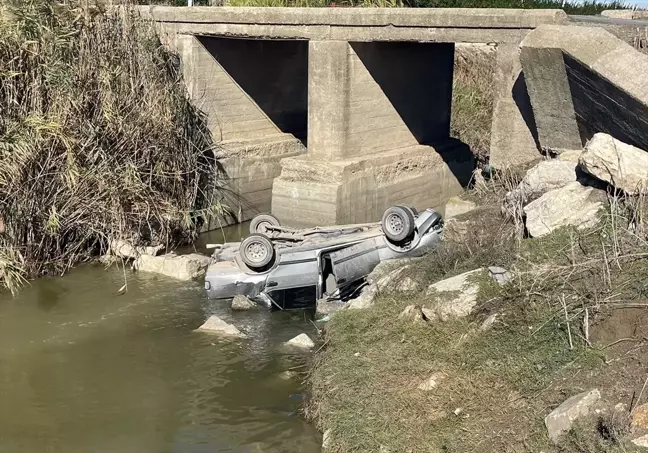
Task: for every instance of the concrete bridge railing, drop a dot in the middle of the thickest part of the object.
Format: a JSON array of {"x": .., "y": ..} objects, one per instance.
[{"x": 329, "y": 115}]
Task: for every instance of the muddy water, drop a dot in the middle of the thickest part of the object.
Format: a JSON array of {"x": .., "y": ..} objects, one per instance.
[{"x": 83, "y": 369}]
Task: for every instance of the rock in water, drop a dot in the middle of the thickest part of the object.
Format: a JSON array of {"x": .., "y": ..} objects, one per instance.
[
  {"x": 560, "y": 420},
  {"x": 242, "y": 303},
  {"x": 181, "y": 267},
  {"x": 455, "y": 297},
  {"x": 622, "y": 165},
  {"x": 216, "y": 325},
  {"x": 572, "y": 205},
  {"x": 122, "y": 248},
  {"x": 456, "y": 206},
  {"x": 301, "y": 341}
]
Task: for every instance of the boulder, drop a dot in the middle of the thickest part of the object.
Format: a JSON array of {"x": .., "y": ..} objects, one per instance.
[
  {"x": 453, "y": 297},
  {"x": 181, "y": 267},
  {"x": 641, "y": 441},
  {"x": 242, "y": 303},
  {"x": 301, "y": 341},
  {"x": 412, "y": 313},
  {"x": 545, "y": 176},
  {"x": 560, "y": 420},
  {"x": 456, "y": 206},
  {"x": 617, "y": 163},
  {"x": 640, "y": 417},
  {"x": 432, "y": 382},
  {"x": 122, "y": 248},
  {"x": 396, "y": 280},
  {"x": 366, "y": 298},
  {"x": 214, "y": 324},
  {"x": 572, "y": 205}
]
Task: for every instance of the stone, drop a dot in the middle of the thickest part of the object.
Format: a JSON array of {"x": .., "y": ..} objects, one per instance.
[
  {"x": 301, "y": 341},
  {"x": 488, "y": 322},
  {"x": 454, "y": 297},
  {"x": 619, "y": 164},
  {"x": 641, "y": 441},
  {"x": 560, "y": 420},
  {"x": 432, "y": 382},
  {"x": 397, "y": 281},
  {"x": 456, "y": 206},
  {"x": 570, "y": 155},
  {"x": 181, "y": 267},
  {"x": 500, "y": 275},
  {"x": 326, "y": 440},
  {"x": 242, "y": 303},
  {"x": 366, "y": 299},
  {"x": 572, "y": 205},
  {"x": 411, "y": 313},
  {"x": 122, "y": 248},
  {"x": 545, "y": 176},
  {"x": 640, "y": 417},
  {"x": 214, "y": 324},
  {"x": 327, "y": 307},
  {"x": 287, "y": 375}
]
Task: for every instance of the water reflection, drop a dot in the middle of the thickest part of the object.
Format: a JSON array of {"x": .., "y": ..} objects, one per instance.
[{"x": 83, "y": 369}]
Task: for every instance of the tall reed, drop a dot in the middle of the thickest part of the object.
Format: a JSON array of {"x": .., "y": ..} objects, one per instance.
[{"x": 98, "y": 139}]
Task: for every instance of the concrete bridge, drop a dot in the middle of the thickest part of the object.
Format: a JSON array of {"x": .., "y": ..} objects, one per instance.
[{"x": 329, "y": 115}]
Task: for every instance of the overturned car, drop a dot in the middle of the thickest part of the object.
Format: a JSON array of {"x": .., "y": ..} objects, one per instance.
[{"x": 285, "y": 267}]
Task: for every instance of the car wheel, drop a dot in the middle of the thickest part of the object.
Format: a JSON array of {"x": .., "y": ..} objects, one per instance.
[
  {"x": 257, "y": 251},
  {"x": 398, "y": 223},
  {"x": 261, "y": 222},
  {"x": 412, "y": 209}
]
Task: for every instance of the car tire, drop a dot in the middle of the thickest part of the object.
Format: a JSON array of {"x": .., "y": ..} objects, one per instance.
[
  {"x": 260, "y": 223},
  {"x": 257, "y": 251},
  {"x": 412, "y": 209},
  {"x": 397, "y": 223}
]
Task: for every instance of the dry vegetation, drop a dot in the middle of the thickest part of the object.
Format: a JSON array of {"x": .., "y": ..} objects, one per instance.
[
  {"x": 557, "y": 334},
  {"x": 97, "y": 138},
  {"x": 472, "y": 98}
]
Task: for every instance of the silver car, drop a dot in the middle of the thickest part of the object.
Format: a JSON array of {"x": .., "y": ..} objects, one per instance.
[{"x": 288, "y": 268}]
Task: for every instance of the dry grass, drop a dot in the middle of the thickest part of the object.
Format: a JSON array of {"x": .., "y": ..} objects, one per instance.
[
  {"x": 501, "y": 383},
  {"x": 472, "y": 99},
  {"x": 97, "y": 138}
]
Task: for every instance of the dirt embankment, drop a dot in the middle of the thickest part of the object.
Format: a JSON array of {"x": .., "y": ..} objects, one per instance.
[{"x": 571, "y": 319}]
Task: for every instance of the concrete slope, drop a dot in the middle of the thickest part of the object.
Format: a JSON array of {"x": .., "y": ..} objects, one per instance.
[{"x": 584, "y": 80}]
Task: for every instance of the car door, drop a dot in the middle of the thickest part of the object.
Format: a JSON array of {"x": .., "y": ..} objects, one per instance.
[
  {"x": 352, "y": 263},
  {"x": 293, "y": 283}
]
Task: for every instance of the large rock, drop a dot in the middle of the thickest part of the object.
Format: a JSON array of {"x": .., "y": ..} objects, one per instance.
[
  {"x": 242, "y": 303},
  {"x": 301, "y": 341},
  {"x": 214, "y": 324},
  {"x": 545, "y": 176},
  {"x": 456, "y": 206},
  {"x": 453, "y": 297},
  {"x": 181, "y": 267},
  {"x": 560, "y": 420},
  {"x": 572, "y": 205},
  {"x": 617, "y": 163},
  {"x": 366, "y": 299},
  {"x": 328, "y": 307},
  {"x": 386, "y": 276},
  {"x": 122, "y": 248}
]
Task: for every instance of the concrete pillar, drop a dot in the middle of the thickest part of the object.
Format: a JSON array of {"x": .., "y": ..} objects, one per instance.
[
  {"x": 551, "y": 98},
  {"x": 378, "y": 134},
  {"x": 250, "y": 144},
  {"x": 513, "y": 139}
]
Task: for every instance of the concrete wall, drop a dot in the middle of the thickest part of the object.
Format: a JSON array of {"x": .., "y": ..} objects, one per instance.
[
  {"x": 371, "y": 97},
  {"x": 599, "y": 86},
  {"x": 271, "y": 74}
]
